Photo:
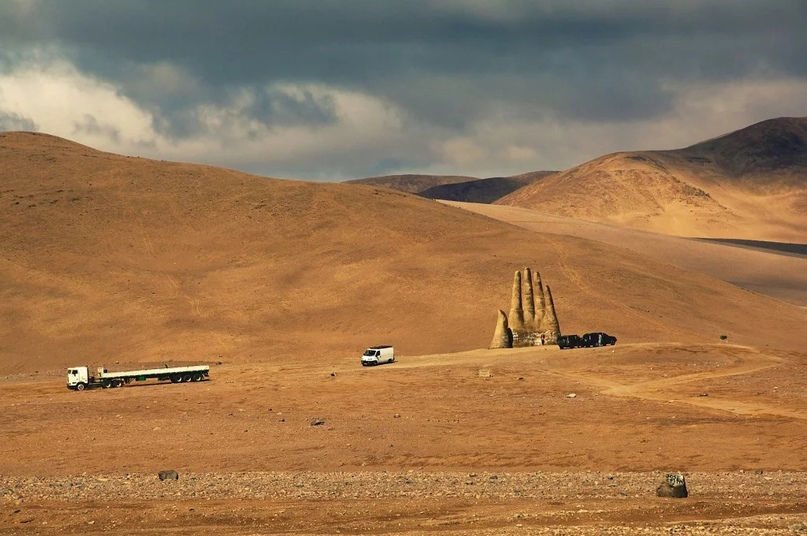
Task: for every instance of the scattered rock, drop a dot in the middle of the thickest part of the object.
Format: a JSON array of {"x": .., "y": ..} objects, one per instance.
[
  {"x": 571, "y": 395},
  {"x": 317, "y": 421},
  {"x": 169, "y": 474},
  {"x": 674, "y": 486},
  {"x": 396, "y": 416}
]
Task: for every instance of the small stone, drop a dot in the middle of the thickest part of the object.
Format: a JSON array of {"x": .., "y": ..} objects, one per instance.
[
  {"x": 397, "y": 416},
  {"x": 317, "y": 421},
  {"x": 571, "y": 395},
  {"x": 169, "y": 474}
]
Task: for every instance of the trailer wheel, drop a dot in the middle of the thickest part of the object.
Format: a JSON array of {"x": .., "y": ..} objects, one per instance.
[
  {"x": 105, "y": 384},
  {"x": 80, "y": 386},
  {"x": 186, "y": 378},
  {"x": 117, "y": 383},
  {"x": 197, "y": 377},
  {"x": 175, "y": 378}
]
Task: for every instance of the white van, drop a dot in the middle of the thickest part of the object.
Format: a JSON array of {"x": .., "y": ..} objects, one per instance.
[{"x": 378, "y": 354}]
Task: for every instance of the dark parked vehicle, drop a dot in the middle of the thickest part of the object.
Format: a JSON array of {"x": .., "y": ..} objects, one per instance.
[
  {"x": 586, "y": 341},
  {"x": 598, "y": 339},
  {"x": 569, "y": 341}
]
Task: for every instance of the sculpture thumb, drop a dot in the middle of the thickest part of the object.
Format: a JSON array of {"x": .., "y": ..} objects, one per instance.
[{"x": 502, "y": 336}]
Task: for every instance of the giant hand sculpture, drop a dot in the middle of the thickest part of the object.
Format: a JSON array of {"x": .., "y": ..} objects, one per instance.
[{"x": 532, "y": 320}]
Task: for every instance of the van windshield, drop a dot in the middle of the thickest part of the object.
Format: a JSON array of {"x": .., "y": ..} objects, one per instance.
[{"x": 371, "y": 353}]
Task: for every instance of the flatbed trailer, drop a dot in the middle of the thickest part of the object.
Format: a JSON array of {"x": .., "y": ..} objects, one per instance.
[{"x": 79, "y": 378}]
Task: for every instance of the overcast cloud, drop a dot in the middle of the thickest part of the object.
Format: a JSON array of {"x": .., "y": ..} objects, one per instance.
[{"x": 339, "y": 89}]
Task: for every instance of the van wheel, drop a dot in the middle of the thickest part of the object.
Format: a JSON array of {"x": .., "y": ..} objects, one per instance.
[{"x": 80, "y": 386}]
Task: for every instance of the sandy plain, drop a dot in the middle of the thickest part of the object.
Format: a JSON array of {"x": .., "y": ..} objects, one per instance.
[{"x": 525, "y": 441}]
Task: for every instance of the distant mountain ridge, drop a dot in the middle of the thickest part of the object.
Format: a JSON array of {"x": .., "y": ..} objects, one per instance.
[
  {"x": 456, "y": 188},
  {"x": 412, "y": 183},
  {"x": 751, "y": 183}
]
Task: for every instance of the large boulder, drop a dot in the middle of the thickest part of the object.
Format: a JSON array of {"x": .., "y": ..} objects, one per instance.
[{"x": 674, "y": 486}]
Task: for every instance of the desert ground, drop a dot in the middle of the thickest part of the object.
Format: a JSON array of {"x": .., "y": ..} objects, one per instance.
[
  {"x": 532, "y": 441},
  {"x": 775, "y": 273},
  {"x": 280, "y": 285}
]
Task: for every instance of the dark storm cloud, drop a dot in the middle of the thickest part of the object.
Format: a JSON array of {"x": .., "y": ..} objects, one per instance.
[
  {"x": 447, "y": 61},
  {"x": 448, "y": 70}
]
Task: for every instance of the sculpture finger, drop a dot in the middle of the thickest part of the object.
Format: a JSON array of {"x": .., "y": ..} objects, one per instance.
[
  {"x": 529, "y": 298},
  {"x": 516, "y": 317},
  {"x": 551, "y": 324}
]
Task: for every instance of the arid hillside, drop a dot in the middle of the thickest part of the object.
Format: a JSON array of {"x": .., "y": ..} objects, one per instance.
[
  {"x": 772, "y": 268},
  {"x": 412, "y": 183},
  {"x": 482, "y": 190},
  {"x": 456, "y": 188},
  {"x": 109, "y": 258},
  {"x": 751, "y": 183}
]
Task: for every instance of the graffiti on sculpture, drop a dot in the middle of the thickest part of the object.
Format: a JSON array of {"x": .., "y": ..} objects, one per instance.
[{"x": 532, "y": 320}]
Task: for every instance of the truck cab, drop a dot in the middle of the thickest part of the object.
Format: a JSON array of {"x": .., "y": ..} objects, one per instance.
[{"x": 78, "y": 378}]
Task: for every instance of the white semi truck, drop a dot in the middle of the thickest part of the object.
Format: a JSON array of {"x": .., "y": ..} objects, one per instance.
[{"x": 79, "y": 378}]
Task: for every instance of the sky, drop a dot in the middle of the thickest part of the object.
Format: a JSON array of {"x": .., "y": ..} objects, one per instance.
[{"x": 341, "y": 89}]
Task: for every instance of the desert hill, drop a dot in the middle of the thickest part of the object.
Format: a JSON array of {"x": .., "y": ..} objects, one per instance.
[
  {"x": 772, "y": 268},
  {"x": 412, "y": 183},
  {"x": 106, "y": 258},
  {"x": 749, "y": 184},
  {"x": 482, "y": 190},
  {"x": 455, "y": 187}
]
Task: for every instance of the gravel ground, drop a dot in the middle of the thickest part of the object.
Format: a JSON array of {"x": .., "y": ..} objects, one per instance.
[
  {"x": 411, "y": 502},
  {"x": 413, "y": 484}
]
